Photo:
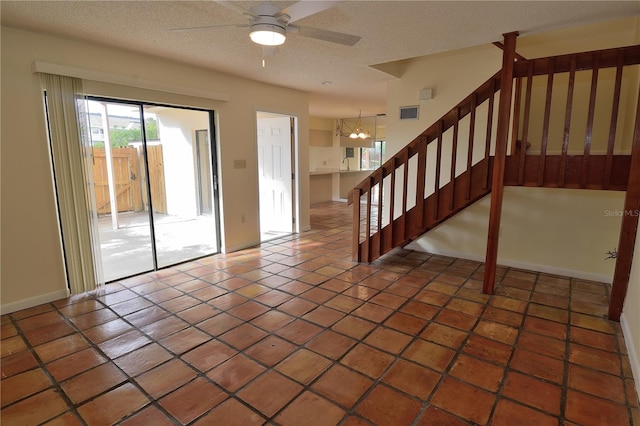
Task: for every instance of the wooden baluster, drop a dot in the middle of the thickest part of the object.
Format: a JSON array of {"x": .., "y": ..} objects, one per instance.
[
  {"x": 567, "y": 123},
  {"x": 525, "y": 124},
  {"x": 592, "y": 107},
  {"x": 454, "y": 156},
  {"x": 380, "y": 183},
  {"x": 421, "y": 174},
  {"x": 497, "y": 183},
  {"x": 368, "y": 222},
  {"x": 376, "y": 250},
  {"x": 436, "y": 210},
  {"x": 392, "y": 197},
  {"x": 515, "y": 127},
  {"x": 614, "y": 121},
  {"x": 472, "y": 128},
  {"x": 545, "y": 124},
  {"x": 356, "y": 253},
  {"x": 405, "y": 161},
  {"x": 487, "y": 146}
]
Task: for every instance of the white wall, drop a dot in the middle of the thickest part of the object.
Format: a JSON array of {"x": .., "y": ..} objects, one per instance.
[
  {"x": 176, "y": 128},
  {"x": 451, "y": 75},
  {"x": 558, "y": 231},
  {"x": 30, "y": 234},
  {"x": 630, "y": 319},
  {"x": 325, "y": 158}
]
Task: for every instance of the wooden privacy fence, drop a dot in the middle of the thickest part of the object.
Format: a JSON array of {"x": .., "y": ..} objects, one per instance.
[{"x": 129, "y": 177}]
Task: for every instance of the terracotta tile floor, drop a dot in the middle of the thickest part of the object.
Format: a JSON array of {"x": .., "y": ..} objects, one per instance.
[{"x": 294, "y": 333}]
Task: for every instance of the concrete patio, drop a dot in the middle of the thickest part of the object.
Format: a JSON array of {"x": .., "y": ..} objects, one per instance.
[{"x": 127, "y": 250}]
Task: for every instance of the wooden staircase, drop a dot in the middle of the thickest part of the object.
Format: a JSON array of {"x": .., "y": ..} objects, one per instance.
[
  {"x": 418, "y": 197},
  {"x": 511, "y": 132}
]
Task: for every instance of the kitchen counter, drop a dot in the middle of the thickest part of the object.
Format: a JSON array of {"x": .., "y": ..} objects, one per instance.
[
  {"x": 327, "y": 183},
  {"x": 318, "y": 172},
  {"x": 332, "y": 171},
  {"x": 349, "y": 179},
  {"x": 356, "y": 171}
]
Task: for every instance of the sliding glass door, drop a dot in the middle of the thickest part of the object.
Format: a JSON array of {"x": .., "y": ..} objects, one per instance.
[{"x": 154, "y": 173}]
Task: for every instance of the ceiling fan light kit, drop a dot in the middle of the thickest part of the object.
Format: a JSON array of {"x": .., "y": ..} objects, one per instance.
[
  {"x": 267, "y": 34},
  {"x": 267, "y": 28}
]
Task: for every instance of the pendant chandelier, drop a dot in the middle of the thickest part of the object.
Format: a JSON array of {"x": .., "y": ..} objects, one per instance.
[{"x": 358, "y": 131}]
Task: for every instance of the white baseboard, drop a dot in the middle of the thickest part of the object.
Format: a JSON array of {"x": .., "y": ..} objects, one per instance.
[
  {"x": 522, "y": 265},
  {"x": 33, "y": 301},
  {"x": 631, "y": 348}
]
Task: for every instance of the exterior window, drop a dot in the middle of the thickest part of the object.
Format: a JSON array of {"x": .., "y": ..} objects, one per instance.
[{"x": 372, "y": 158}]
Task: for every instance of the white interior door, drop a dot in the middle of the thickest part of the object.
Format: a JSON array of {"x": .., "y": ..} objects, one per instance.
[{"x": 274, "y": 167}]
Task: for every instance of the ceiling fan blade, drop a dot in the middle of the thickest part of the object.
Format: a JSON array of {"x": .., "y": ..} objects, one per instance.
[
  {"x": 326, "y": 35},
  {"x": 235, "y": 7},
  {"x": 209, "y": 27},
  {"x": 302, "y": 9}
]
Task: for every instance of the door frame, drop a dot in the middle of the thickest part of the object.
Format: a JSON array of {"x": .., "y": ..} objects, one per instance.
[
  {"x": 200, "y": 158},
  {"x": 295, "y": 164}
]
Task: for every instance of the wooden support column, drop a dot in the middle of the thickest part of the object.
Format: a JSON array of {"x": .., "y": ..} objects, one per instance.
[
  {"x": 113, "y": 191},
  {"x": 354, "y": 198},
  {"x": 497, "y": 182},
  {"x": 629, "y": 228}
]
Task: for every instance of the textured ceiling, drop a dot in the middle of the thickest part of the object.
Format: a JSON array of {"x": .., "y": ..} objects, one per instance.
[{"x": 390, "y": 31}]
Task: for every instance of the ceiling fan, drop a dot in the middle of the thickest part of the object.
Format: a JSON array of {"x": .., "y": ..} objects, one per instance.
[{"x": 269, "y": 25}]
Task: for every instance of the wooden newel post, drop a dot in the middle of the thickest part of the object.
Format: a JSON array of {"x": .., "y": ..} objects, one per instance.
[{"x": 502, "y": 139}]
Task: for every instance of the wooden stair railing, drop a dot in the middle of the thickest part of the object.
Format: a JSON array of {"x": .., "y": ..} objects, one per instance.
[
  {"x": 576, "y": 142},
  {"x": 404, "y": 197},
  {"x": 440, "y": 173}
]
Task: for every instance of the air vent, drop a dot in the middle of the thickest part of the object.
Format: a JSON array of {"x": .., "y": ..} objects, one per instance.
[{"x": 409, "y": 112}]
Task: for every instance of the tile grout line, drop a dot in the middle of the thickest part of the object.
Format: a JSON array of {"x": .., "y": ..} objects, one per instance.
[{"x": 297, "y": 245}]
